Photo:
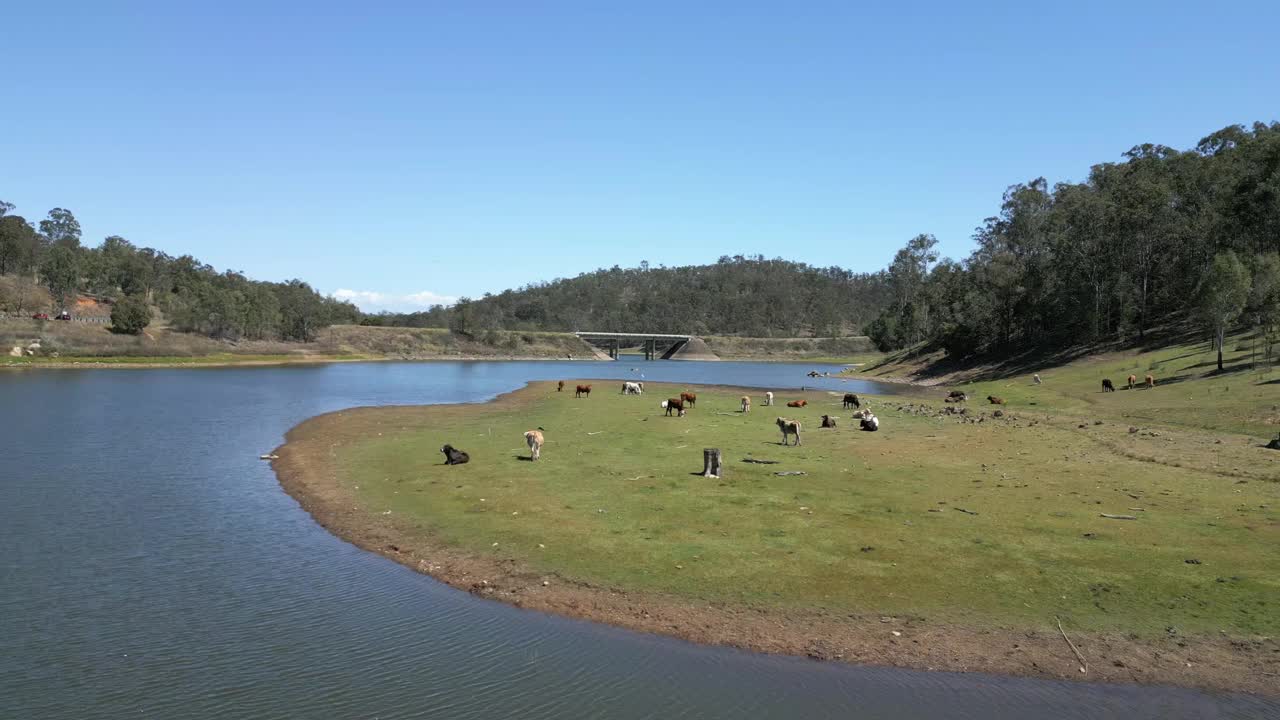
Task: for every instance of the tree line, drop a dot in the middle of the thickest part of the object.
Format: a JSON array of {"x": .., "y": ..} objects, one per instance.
[
  {"x": 193, "y": 295},
  {"x": 737, "y": 295},
  {"x": 1165, "y": 236}
]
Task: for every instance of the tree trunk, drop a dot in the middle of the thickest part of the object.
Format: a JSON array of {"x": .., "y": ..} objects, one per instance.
[
  {"x": 1221, "y": 339},
  {"x": 711, "y": 462}
]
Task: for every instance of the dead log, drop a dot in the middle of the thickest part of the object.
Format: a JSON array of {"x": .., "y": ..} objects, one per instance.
[
  {"x": 711, "y": 462},
  {"x": 761, "y": 462},
  {"x": 1118, "y": 517}
]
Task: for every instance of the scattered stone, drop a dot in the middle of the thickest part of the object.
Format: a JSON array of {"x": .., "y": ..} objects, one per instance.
[
  {"x": 868, "y": 548},
  {"x": 1097, "y": 422},
  {"x": 998, "y": 413},
  {"x": 1192, "y": 561},
  {"x": 1132, "y": 429}
]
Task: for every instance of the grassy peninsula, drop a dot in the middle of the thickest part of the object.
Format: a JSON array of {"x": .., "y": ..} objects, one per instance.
[{"x": 945, "y": 540}]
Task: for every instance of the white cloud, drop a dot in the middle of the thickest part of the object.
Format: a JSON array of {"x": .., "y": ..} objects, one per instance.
[{"x": 373, "y": 301}]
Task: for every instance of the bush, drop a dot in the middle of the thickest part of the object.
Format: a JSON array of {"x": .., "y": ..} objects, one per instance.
[{"x": 130, "y": 315}]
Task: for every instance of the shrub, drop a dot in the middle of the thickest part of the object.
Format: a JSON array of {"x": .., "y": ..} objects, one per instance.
[{"x": 130, "y": 315}]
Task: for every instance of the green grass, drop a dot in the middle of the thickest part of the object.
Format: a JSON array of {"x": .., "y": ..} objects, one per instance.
[{"x": 615, "y": 501}]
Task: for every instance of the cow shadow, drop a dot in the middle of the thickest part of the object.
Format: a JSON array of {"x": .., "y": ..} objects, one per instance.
[{"x": 525, "y": 458}]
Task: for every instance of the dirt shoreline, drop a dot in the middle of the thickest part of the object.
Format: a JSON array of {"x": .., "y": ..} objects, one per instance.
[{"x": 1214, "y": 662}]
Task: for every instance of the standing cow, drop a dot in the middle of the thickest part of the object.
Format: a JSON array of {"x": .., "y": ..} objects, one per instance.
[
  {"x": 534, "y": 439},
  {"x": 768, "y": 398},
  {"x": 789, "y": 428},
  {"x": 582, "y": 391},
  {"x": 746, "y": 403}
]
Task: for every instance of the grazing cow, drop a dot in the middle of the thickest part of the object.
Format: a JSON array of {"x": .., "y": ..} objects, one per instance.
[
  {"x": 673, "y": 404},
  {"x": 789, "y": 427},
  {"x": 768, "y": 398},
  {"x": 1107, "y": 386},
  {"x": 1151, "y": 382},
  {"x": 632, "y": 388},
  {"x": 454, "y": 456},
  {"x": 582, "y": 390},
  {"x": 851, "y": 401},
  {"x": 560, "y": 386},
  {"x": 746, "y": 404},
  {"x": 995, "y": 400},
  {"x": 689, "y": 399},
  {"x": 1036, "y": 377},
  {"x": 534, "y": 438},
  {"x": 828, "y": 422},
  {"x": 1133, "y": 381},
  {"x": 797, "y": 403}
]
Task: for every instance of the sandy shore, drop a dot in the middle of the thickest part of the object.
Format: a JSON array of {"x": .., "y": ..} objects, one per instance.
[{"x": 306, "y": 471}]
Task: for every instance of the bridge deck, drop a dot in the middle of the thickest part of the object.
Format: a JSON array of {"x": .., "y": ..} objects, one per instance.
[{"x": 642, "y": 336}]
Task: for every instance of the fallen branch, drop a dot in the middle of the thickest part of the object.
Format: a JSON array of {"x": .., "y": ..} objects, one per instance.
[
  {"x": 761, "y": 462},
  {"x": 966, "y": 512},
  {"x": 1118, "y": 517},
  {"x": 596, "y": 432},
  {"x": 791, "y": 472},
  {"x": 1084, "y": 666}
]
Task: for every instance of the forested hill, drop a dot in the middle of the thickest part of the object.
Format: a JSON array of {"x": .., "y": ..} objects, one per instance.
[
  {"x": 190, "y": 295},
  {"x": 1166, "y": 235},
  {"x": 737, "y": 295}
]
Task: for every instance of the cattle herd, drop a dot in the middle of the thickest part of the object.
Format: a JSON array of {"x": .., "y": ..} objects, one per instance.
[{"x": 679, "y": 406}]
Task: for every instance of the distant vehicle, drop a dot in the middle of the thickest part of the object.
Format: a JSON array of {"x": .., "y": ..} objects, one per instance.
[
  {"x": 64, "y": 315},
  {"x": 40, "y": 316}
]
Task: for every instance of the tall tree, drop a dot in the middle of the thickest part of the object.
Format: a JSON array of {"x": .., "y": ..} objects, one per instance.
[
  {"x": 61, "y": 228},
  {"x": 1223, "y": 294}
]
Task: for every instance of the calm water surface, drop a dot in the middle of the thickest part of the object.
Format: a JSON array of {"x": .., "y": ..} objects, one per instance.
[{"x": 151, "y": 566}]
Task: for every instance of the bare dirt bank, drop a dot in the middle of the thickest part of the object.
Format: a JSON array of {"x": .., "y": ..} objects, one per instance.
[{"x": 307, "y": 472}]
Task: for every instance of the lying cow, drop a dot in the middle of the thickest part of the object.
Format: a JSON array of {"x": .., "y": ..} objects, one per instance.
[
  {"x": 828, "y": 422},
  {"x": 797, "y": 403},
  {"x": 454, "y": 456},
  {"x": 788, "y": 428},
  {"x": 868, "y": 421},
  {"x": 632, "y": 388},
  {"x": 995, "y": 400},
  {"x": 851, "y": 401},
  {"x": 673, "y": 404},
  {"x": 957, "y": 396},
  {"x": 534, "y": 439}
]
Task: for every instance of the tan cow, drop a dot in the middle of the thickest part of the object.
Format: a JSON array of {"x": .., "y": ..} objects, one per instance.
[
  {"x": 534, "y": 438},
  {"x": 788, "y": 428},
  {"x": 746, "y": 403}
]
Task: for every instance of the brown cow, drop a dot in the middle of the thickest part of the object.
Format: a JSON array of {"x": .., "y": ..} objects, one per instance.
[
  {"x": 828, "y": 422},
  {"x": 673, "y": 404},
  {"x": 789, "y": 427},
  {"x": 797, "y": 403},
  {"x": 1151, "y": 382},
  {"x": 1133, "y": 381},
  {"x": 995, "y": 400},
  {"x": 582, "y": 390},
  {"x": 689, "y": 398},
  {"x": 560, "y": 386}
]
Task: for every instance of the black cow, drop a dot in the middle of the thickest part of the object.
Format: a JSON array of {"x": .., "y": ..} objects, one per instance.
[
  {"x": 851, "y": 401},
  {"x": 1107, "y": 386},
  {"x": 454, "y": 456}
]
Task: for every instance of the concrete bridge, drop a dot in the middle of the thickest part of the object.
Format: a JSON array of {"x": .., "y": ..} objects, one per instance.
[{"x": 611, "y": 341}]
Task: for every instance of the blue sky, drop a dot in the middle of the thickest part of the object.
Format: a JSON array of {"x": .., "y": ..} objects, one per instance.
[{"x": 409, "y": 151}]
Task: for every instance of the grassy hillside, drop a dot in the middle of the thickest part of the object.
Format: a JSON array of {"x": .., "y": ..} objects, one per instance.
[
  {"x": 837, "y": 349},
  {"x": 64, "y": 343}
]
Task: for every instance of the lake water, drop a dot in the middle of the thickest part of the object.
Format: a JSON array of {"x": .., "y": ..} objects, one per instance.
[{"x": 151, "y": 566}]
